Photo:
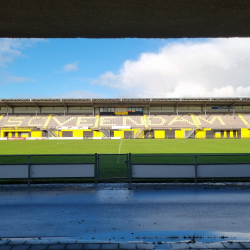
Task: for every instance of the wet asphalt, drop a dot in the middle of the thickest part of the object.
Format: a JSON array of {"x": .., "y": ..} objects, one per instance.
[{"x": 73, "y": 210}]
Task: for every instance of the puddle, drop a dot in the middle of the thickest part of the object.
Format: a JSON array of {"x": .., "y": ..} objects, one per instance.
[{"x": 168, "y": 236}]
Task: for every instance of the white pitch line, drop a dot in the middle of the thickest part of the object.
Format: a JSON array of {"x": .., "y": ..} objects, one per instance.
[
  {"x": 120, "y": 147},
  {"x": 119, "y": 151}
]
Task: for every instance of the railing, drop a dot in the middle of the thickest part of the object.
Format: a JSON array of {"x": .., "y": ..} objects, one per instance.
[
  {"x": 125, "y": 167},
  {"x": 105, "y": 132},
  {"x": 190, "y": 133},
  {"x": 139, "y": 134}
]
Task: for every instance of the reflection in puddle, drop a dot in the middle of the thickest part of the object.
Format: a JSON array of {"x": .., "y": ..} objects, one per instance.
[{"x": 169, "y": 236}]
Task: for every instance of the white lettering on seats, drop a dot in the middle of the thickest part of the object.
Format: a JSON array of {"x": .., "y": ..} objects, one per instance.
[
  {"x": 156, "y": 117},
  {"x": 125, "y": 119},
  {"x": 198, "y": 118},
  {"x": 84, "y": 121},
  {"x": 15, "y": 123},
  {"x": 180, "y": 119},
  {"x": 106, "y": 121},
  {"x": 62, "y": 123},
  {"x": 37, "y": 118}
]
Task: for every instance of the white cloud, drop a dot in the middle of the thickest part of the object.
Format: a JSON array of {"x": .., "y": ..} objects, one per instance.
[
  {"x": 12, "y": 48},
  {"x": 70, "y": 67},
  {"x": 19, "y": 79},
  {"x": 211, "y": 68}
]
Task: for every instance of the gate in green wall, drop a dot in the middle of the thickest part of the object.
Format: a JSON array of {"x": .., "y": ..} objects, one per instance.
[{"x": 113, "y": 167}]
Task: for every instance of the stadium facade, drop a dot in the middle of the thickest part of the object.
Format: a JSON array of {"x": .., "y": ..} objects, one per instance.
[{"x": 125, "y": 118}]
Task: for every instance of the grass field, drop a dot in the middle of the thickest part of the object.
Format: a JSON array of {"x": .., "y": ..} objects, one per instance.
[
  {"x": 114, "y": 165},
  {"x": 157, "y": 146}
]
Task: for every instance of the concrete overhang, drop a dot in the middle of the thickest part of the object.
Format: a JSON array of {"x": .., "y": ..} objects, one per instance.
[{"x": 124, "y": 18}]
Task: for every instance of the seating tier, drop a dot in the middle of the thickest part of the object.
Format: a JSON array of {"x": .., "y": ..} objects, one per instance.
[{"x": 211, "y": 120}]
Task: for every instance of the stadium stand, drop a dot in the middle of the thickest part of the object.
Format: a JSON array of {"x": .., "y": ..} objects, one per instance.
[
  {"x": 24, "y": 120},
  {"x": 218, "y": 120},
  {"x": 245, "y": 119},
  {"x": 171, "y": 121},
  {"x": 106, "y": 118},
  {"x": 71, "y": 120},
  {"x": 133, "y": 121}
]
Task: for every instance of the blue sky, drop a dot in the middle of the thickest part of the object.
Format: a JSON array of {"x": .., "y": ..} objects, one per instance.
[
  {"x": 42, "y": 62},
  {"x": 91, "y": 68}
]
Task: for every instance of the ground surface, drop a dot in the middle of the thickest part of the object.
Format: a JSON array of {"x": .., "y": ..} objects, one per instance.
[
  {"x": 77, "y": 243},
  {"x": 117, "y": 212},
  {"x": 140, "y": 146}
]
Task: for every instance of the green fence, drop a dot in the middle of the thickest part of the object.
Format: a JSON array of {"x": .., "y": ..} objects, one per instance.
[{"x": 118, "y": 167}]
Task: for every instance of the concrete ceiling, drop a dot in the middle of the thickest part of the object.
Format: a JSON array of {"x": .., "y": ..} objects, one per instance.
[{"x": 124, "y": 18}]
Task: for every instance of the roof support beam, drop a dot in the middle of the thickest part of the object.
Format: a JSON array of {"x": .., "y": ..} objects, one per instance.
[
  {"x": 64, "y": 104},
  {"x": 6, "y": 104},
  {"x": 232, "y": 105},
  {"x": 176, "y": 106},
  {"x": 34, "y": 103},
  {"x": 65, "y": 107}
]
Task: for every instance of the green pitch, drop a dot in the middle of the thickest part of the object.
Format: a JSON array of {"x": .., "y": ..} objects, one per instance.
[
  {"x": 174, "y": 146},
  {"x": 140, "y": 146}
]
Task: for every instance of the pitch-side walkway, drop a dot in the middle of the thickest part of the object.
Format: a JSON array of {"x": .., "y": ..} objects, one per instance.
[
  {"x": 76, "y": 244},
  {"x": 123, "y": 216}
]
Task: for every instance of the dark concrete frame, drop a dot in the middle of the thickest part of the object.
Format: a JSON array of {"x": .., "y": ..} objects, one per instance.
[{"x": 124, "y": 18}]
